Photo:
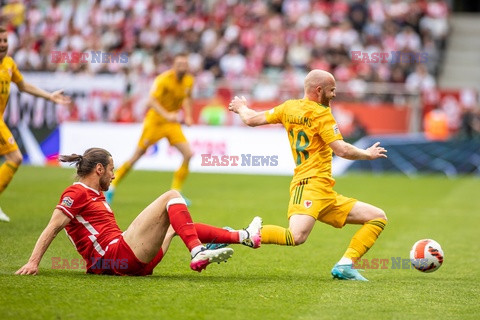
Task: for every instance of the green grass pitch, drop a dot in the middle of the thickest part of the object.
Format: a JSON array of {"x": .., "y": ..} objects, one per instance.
[{"x": 271, "y": 282}]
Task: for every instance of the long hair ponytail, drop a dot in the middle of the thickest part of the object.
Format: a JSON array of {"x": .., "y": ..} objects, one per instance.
[{"x": 86, "y": 163}]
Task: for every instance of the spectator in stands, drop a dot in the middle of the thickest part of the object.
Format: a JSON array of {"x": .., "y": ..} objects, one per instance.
[
  {"x": 358, "y": 129},
  {"x": 471, "y": 123},
  {"x": 420, "y": 79},
  {"x": 233, "y": 63},
  {"x": 408, "y": 40},
  {"x": 435, "y": 21},
  {"x": 435, "y": 125}
]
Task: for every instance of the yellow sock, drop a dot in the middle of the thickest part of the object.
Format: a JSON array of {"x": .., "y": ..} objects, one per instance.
[
  {"x": 121, "y": 172},
  {"x": 364, "y": 238},
  {"x": 7, "y": 170},
  {"x": 277, "y": 235},
  {"x": 179, "y": 177}
]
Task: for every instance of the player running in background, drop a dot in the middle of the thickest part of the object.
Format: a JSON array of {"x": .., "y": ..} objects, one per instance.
[
  {"x": 313, "y": 134},
  {"x": 91, "y": 226},
  {"x": 8, "y": 146},
  {"x": 170, "y": 91}
]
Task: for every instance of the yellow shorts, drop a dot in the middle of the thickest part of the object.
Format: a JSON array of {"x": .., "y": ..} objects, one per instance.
[
  {"x": 315, "y": 197},
  {"x": 7, "y": 142},
  {"x": 154, "y": 132}
]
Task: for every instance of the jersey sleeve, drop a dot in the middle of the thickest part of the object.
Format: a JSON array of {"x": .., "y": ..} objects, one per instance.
[
  {"x": 329, "y": 130},
  {"x": 71, "y": 202},
  {"x": 275, "y": 115},
  {"x": 17, "y": 77},
  {"x": 157, "y": 87}
]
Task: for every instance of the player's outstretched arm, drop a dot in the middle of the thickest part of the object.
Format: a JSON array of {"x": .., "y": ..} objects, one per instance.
[
  {"x": 250, "y": 117},
  {"x": 348, "y": 151},
  {"x": 57, "y": 223},
  {"x": 56, "y": 96}
]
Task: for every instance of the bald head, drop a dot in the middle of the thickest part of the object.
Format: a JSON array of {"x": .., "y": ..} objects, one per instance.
[
  {"x": 320, "y": 86},
  {"x": 317, "y": 78}
]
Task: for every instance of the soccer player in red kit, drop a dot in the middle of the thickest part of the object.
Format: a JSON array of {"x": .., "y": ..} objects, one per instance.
[{"x": 91, "y": 226}]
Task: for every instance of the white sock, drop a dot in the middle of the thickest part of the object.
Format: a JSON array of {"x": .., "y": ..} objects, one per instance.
[
  {"x": 242, "y": 235},
  {"x": 196, "y": 250},
  {"x": 345, "y": 261}
]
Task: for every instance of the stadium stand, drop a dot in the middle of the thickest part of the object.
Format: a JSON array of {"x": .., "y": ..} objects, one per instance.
[{"x": 232, "y": 40}]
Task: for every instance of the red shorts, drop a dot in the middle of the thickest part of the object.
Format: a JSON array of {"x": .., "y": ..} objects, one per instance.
[{"x": 120, "y": 260}]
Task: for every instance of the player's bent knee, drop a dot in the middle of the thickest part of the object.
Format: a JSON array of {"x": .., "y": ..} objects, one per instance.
[
  {"x": 172, "y": 197},
  {"x": 15, "y": 157},
  {"x": 171, "y": 194},
  {"x": 188, "y": 156},
  {"x": 381, "y": 215},
  {"x": 374, "y": 213},
  {"x": 18, "y": 160},
  {"x": 299, "y": 238}
]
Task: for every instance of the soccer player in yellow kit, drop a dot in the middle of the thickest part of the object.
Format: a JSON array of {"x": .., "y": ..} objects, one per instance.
[
  {"x": 313, "y": 134},
  {"x": 8, "y": 146},
  {"x": 170, "y": 91}
]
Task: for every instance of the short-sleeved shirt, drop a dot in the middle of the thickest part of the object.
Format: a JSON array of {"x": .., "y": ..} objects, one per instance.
[
  {"x": 170, "y": 93},
  {"x": 311, "y": 128},
  {"x": 8, "y": 73},
  {"x": 93, "y": 226}
]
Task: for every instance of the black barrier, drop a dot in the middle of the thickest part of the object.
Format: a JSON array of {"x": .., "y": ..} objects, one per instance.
[{"x": 419, "y": 156}]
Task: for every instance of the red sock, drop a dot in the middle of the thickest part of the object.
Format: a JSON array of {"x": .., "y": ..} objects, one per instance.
[
  {"x": 182, "y": 223},
  {"x": 211, "y": 234}
]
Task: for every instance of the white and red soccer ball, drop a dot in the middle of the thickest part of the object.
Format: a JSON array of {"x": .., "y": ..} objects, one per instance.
[{"x": 426, "y": 255}]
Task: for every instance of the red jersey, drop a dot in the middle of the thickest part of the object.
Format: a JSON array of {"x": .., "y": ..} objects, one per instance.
[{"x": 93, "y": 226}]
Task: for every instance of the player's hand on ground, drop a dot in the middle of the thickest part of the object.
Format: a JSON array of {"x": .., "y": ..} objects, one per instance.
[
  {"x": 29, "y": 268},
  {"x": 237, "y": 103},
  {"x": 60, "y": 98},
  {"x": 376, "y": 151}
]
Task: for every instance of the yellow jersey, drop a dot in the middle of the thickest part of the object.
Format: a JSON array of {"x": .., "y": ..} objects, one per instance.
[
  {"x": 311, "y": 128},
  {"x": 8, "y": 73},
  {"x": 169, "y": 92}
]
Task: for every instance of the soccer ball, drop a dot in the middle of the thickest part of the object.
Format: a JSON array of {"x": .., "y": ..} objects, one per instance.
[{"x": 426, "y": 255}]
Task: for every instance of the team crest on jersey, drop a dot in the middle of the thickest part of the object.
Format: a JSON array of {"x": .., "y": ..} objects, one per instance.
[
  {"x": 67, "y": 202},
  {"x": 307, "y": 203},
  {"x": 11, "y": 140},
  {"x": 335, "y": 129},
  {"x": 107, "y": 206},
  {"x": 271, "y": 111},
  {"x": 9, "y": 71}
]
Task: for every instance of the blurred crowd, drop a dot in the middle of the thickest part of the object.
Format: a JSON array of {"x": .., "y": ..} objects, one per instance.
[{"x": 235, "y": 40}]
